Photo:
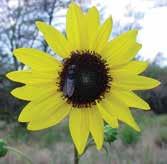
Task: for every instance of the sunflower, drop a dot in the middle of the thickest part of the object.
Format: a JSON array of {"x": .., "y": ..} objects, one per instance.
[{"x": 93, "y": 83}]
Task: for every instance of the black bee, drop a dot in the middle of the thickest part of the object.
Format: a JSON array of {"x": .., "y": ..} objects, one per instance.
[{"x": 69, "y": 84}]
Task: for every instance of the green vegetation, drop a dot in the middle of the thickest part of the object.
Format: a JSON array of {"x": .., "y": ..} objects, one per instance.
[
  {"x": 161, "y": 138},
  {"x": 128, "y": 135},
  {"x": 3, "y": 150},
  {"x": 54, "y": 144},
  {"x": 163, "y": 120},
  {"x": 155, "y": 71},
  {"x": 110, "y": 134}
]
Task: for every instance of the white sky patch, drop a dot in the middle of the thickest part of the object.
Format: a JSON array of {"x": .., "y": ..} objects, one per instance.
[
  {"x": 119, "y": 8},
  {"x": 13, "y": 3},
  {"x": 154, "y": 33}
]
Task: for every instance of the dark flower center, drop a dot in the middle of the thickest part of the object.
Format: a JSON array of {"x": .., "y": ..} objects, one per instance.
[{"x": 84, "y": 78}]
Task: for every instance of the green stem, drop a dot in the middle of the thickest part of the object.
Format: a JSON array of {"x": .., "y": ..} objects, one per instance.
[
  {"x": 76, "y": 156},
  {"x": 20, "y": 153}
]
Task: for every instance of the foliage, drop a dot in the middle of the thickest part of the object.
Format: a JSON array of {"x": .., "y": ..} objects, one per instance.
[
  {"x": 157, "y": 97},
  {"x": 3, "y": 149},
  {"x": 9, "y": 106},
  {"x": 110, "y": 134},
  {"x": 128, "y": 135},
  {"x": 55, "y": 134},
  {"x": 17, "y": 27},
  {"x": 163, "y": 135},
  {"x": 46, "y": 138},
  {"x": 163, "y": 120},
  {"x": 155, "y": 71},
  {"x": 161, "y": 138},
  {"x": 19, "y": 133}
]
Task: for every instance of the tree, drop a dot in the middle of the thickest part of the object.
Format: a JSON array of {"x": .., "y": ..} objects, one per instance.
[
  {"x": 17, "y": 26},
  {"x": 17, "y": 29}
]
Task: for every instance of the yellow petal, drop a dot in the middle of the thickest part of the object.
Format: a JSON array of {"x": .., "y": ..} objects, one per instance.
[
  {"x": 93, "y": 23},
  {"x": 133, "y": 67},
  {"x": 52, "y": 118},
  {"x": 75, "y": 27},
  {"x": 130, "y": 99},
  {"x": 40, "y": 107},
  {"x": 36, "y": 59},
  {"x": 30, "y": 92},
  {"x": 120, "y": 110},
  {"x": 134, "y": 82},
  {"x": 121, "y": 49},
  {"x": 55, "y": 39},
  {"x": 110, "y": 119},
  {"x": 96, "y": 127},
  {"x": 79, "y": 128},
  {"x": 29, "y": 77},
  {"x": 103, "y": 35}
]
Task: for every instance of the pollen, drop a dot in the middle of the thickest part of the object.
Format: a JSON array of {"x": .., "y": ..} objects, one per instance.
[{"x": 84, "y": 78}]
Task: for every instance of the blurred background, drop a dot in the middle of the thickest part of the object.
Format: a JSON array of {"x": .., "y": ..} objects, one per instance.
[{"x": 54, "y": 145}]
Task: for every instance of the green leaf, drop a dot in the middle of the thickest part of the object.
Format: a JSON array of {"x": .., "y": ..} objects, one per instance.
[
  {"x": 3, "y": 149},
  {"x": 110, "y": 134}
]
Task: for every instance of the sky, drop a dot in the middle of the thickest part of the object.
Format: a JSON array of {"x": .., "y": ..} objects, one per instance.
[{"x": 153, "y": 34}]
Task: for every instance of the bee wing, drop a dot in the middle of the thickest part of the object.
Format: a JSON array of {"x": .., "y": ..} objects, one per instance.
[
  {"x": 65, "y": 88},
  {"x": 70, "y": 87}
]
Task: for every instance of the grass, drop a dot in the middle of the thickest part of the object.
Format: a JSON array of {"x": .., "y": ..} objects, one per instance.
[
  {"x": 54, "y": 145},
  {"x": 161, "y": 138}
]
